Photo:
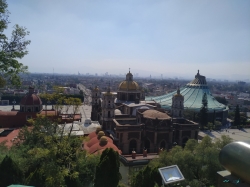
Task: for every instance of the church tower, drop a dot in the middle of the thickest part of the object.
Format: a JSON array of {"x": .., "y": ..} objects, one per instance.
[
  {"x": 108, "y": 110},
  {"x": 177, "y": 105},
  {"x": 95, "y": 99}
]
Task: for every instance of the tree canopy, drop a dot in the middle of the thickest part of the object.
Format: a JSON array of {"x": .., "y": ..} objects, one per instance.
[
  {"x": 46, "y": 158},
  {"x": 237, "y": 116},
  {"x": 203, "y": 112},
  {"x": 11, "y": 49},
  {"x": 198, "y": 162},
  {"x": 107, "y": 171}
]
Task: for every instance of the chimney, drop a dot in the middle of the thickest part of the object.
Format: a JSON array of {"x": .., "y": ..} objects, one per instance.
[
  {"x": 133, "y": 155},
  {"x": 160, "y": 150},
  {"x": 145, "y": 152}
]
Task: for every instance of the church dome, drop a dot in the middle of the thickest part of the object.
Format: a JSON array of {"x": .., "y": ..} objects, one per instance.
[
  {"x": 178, "y": 94},
  {"x": 31, "y": 98},
  {"x": 96, "y": 88},
  {"x": 103, "y": 141},
  {"x": 153, "y": 114},
  {"x": 128, "y": 85},
  {"x": 192, "y": 94}
]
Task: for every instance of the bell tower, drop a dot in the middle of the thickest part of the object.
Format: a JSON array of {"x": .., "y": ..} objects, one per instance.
[
  {"x": 177, "y": 105},
  {"x": 95, "y": 99},
  {"x": 108, "y": 110}
]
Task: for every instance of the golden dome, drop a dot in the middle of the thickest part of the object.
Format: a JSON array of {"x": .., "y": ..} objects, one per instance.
[
  {"x": 128, "y": 85},
  {"x": 100, "y": 134},
  {"x": 178, "y": 94},
  {"x": 98, "y": 129},
  {"x": 103, "y": 141},
  {"x": 96, "y": 88}
]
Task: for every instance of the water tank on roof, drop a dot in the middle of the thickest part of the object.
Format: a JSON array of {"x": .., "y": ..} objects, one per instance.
[
  {"x": 235, "y": 158},
  {"x": 88, "y": 121}
]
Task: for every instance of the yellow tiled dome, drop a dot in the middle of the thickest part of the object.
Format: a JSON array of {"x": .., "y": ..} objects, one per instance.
[{"x": 128, "y": 85}]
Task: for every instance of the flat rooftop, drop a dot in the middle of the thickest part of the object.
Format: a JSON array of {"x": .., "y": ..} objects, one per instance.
[
  {"x": 85, "y": 110},
  {"x": 235, "y": 134}
]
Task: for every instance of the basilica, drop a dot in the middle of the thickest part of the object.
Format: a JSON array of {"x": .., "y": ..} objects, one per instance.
[{"x": 136, "y": 124}]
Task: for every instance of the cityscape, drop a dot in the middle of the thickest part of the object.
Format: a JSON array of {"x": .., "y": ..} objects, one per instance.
[{"x": 125, "y": 94}]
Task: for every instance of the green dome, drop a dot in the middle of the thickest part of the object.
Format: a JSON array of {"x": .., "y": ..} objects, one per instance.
[{"x": 193, "y": 93}]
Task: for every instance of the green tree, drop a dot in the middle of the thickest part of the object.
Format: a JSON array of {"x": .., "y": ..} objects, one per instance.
[
  {"x": 147, "y": 177},
  {"x": 86, "y": 166},
  {"x": 9, "y": 172},
  {"x": 199, "y": 162},
  {"x": 203, "y": 112},
  {"x": 221, "y": 100},
  {"x": 237, "y": 117},
  {"x": 51, "y": 160},
  {"x": 107, "y": 171},
  {"x": 11, "y": 49}
]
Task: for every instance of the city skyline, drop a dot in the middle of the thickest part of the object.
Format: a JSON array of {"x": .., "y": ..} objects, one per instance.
[{"x": 172, "y": 38}]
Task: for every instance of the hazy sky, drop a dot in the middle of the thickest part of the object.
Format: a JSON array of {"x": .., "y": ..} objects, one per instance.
[{"x": 169, "y": 37}]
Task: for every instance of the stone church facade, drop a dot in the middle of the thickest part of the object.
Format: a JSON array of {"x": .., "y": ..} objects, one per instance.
[{"x": 135, "y": 124}]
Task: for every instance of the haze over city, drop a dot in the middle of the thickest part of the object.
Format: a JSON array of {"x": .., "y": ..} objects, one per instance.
[{"x": 172, "y": 38}]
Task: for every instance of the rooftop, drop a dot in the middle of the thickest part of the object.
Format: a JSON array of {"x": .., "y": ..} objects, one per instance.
[
  {"x": 193, "y": 93},
  {"x": 235, "y": 134}
]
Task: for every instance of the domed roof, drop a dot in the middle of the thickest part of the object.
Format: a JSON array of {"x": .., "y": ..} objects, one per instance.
[
  {"x": 94, "y": 140},
  {"x": 100, "y": 134},
  {"x": 193, "y": 93},
  {"x": 96, "y": 88},
  {"x": 128, "y": 84},
  {"x": 31, "y": 98},
  {"x": 94, "y": 134},
  {"x": 153, "y": 114},
  {"x": 178, "y": 94},
  {"x": 117, "y": 112},
  {"x": 103, "y": 141},
  {"x": 100, "y": 146},
  {"x": 144, "y": 107}
]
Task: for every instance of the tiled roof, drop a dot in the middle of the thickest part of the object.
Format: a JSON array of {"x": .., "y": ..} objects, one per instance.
[
  {"x": 31, "y": 99},
  {"x": 93, "y": 146},
  {"x": 10, "y": 137}
]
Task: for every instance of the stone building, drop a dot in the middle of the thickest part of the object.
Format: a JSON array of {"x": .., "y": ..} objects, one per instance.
[
  {"x": 30, "y": 107},
  {"x": 135, "y": 124}
]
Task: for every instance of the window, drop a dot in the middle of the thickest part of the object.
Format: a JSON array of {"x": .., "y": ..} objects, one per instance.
[{"x": 108, "y": 114}]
